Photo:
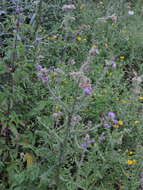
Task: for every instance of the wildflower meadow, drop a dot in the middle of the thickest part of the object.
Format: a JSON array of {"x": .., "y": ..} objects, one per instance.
[{"x": 71, "y": 94}]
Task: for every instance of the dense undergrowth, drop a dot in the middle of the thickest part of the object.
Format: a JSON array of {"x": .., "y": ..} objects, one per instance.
[{"x": 71, "y": 95}]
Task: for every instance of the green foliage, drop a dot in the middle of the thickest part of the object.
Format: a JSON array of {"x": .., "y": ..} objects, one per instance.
[{"x": 62, "y": 73}]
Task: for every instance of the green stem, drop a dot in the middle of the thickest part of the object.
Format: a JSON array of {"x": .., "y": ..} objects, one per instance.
[
  {"x": 38, "y": 16},
  {"x": 63, "y": 144}
]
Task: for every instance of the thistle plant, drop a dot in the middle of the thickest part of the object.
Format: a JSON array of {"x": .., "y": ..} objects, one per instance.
[
  {"x": 71, "y": 95},
  {"x": 81, "y": 81}
]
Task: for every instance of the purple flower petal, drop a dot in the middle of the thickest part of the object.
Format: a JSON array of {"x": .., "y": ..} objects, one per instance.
[
  {"x": 39, "y": 67},
  {"x": 115, "y": 121},
  {"x": 84, "y": 145},
  {"x": 91, "y": 141},
  {"x": 38, "y": 38},
  {"x": 39, "y": 75},
  {"x": 113, "y": 64},
  {"x": 111, "y": 115},
  {"x": 45, "y": 79},
  {"x": 88, "y": 91},
  {"x": 106, "y": 126}
]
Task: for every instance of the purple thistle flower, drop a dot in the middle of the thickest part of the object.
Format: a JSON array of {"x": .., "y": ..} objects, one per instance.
[
  {"x": 84, "y": 145},
  {"x": 90, "y": 141},
  {"x": 106, "y": 125},
  {"x": 51, "y": 68},
  {"x": 115, "y": 121},
  {"x": 39, "y": 75},
  {"x": 113, "y": 64},
  {"x": 77, "y": 118},
  {"x": 38, "y": 38},
  {"x": 68, "y": 7},
  {"x": 111, "y": 115},
  {"x": 44, "y": 70},
  {"x": 87, "y": 141},
  {"x": 45, "y": 79},
  {"x": 88, "y": 90},
  {"x": 39, "y": 67}
]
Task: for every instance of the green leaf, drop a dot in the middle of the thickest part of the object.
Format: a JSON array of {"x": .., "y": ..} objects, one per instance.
[{"x": 39, "y": 107}]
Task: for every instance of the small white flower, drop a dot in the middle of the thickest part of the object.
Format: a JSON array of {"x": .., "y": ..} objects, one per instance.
[{"x": 131, "y": 12}]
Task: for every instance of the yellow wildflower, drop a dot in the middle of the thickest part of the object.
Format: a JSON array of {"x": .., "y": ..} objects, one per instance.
[
  {"x": 122, "y": 57},
  {"x": 57, "y": 108},
  {"x": 116, "y": 126},
  {"x": 79, "y": 38},
  {"x": 141, "y": 98},
  {"x": 110, "y": 73},
  {"x": 84, "y": 39},
  {"x": 130, "y": 153},
  {"x": 82, "y": 6},
  {"x": 136, "y": 122},
  {"x": 94, "y": 46},
  {"x": 94, "y": 179},
  {"x": 130, "y": 162},
  {"x": 53, "y": 37},
  {"x": 120, "y": 122}
]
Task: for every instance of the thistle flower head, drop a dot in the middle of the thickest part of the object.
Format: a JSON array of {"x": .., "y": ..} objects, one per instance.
[
  {"x": 77, "y": 118},
  {"x": 39, "y": 67},
  {"x": 87, "y": 141},
  {"x": 111, "y": 115},
  {"x": 106, "y": 125},
  {"x": 88, "y": 91},
  {"x": 39, "y": 75},
  {"x": 45, "y": 79},
  {"x": 68, "y": 7}
]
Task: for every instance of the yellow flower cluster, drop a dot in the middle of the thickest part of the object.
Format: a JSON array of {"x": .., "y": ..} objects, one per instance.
[
  {"x": 122, "y": 57},
  {"x": 57, "y": 108},
  {"x": 136, "y": 122},
  {"x": 53, "y": 37},
  {"x": 131, "y": 162},
  {"x": 141, "y": 98},
  {"x": 131, "y": 153},
  {"x": 80, "y": 39},
  {"x": 116, "y": 126},
  {"x": 120, "y": 122},
  {"x": 110, "y": 73}
]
